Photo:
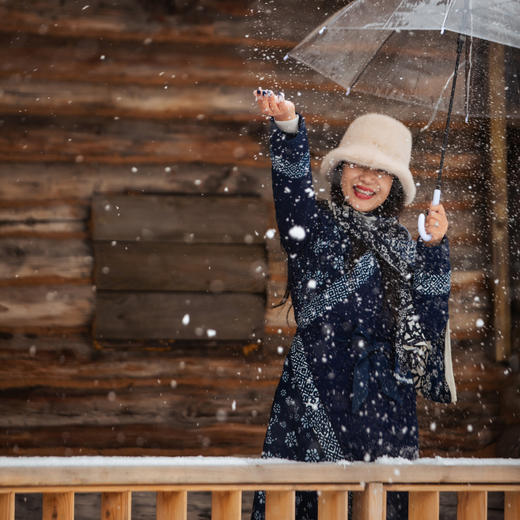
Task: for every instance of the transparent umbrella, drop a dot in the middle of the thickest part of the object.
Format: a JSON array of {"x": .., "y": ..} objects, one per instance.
[{"x": 400, "y": 49}]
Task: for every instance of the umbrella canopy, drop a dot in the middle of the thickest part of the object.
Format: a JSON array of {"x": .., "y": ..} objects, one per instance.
[{"x": 403, "y": 49}]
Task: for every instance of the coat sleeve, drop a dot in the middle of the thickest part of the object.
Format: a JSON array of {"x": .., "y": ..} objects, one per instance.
[
  {"x": 431, "y": 286},
  {"x": 431, "y": 292},
  {"x": 294, "y": 197}
]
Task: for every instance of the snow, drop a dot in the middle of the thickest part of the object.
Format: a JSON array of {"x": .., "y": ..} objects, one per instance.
[
  {"x": 89, "y": 461},
  {"x": 297, "y": 232}
]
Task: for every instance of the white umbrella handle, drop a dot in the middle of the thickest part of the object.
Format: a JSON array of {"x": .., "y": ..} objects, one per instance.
[{"x": 422, "y": 217}]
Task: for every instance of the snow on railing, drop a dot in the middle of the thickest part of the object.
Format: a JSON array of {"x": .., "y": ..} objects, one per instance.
[{"x": 59, "y": 478}]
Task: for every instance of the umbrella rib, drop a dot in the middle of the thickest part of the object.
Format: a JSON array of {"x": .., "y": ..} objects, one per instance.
[
  {"x": 358, "y": 75},
  {"x": 447, "y": 12}
]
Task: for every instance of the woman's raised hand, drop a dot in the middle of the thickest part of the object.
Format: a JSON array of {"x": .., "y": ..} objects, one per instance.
[
  {"x": 436, "y": 224},
  {"x": 274, "y": 105}
]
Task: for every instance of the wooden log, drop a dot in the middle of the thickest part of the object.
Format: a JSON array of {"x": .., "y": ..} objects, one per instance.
[
  {"x": 76, "y": 183},
  {"x": 160, "y": 315},
  {"x": 172, "y": 505},
  {"x": 423, "y": 505},
  {"x": 46, "y": 306},
  {"x": 179, "y": 219},
  {"x": 226, "y": 505},
  {"x": 369, "y": 504},
  {"x": 472, "y": 505},
  {"x": 149, "y": 266},
  {"x": 511, "y": 505},
  {"x": 7, "y": 506},
  {"x": 332, "y": 505},
  {"x": 126, "y": 142},
  {"x": 44, "y": 261},
  {"x": 116, "y": 506},
  {"x": 279, "y": 504},
  {"x": 58, "y": 506}
]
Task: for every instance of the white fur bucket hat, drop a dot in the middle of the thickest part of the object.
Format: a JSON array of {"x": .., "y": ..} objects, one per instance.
[{"x": 377, "y": 141}]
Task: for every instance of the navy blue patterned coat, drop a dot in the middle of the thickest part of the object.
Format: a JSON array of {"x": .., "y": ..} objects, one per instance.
[{"x": 337, "y": 397}]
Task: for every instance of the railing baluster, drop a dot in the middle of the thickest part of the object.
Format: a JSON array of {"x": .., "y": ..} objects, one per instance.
[
  {"x": 511, "y": 505},
  {"x": 58, "y": 506},
  {"x": 7, "y": 506},
  {"x": 472, "y": 505},
  {"x": 172, "y": 505},
  {"x": 116, "y": 506},
  {"x": 369, "y": 504},
  {"x": 279, "y": 505},
  {"x": 333, "y": 505},
  {"x": 226, "y": 505},
  {"x": 423, "y": 505}
]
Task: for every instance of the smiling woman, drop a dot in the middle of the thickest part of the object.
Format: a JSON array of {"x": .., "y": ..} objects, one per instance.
[{"x": 371, "y": 304}]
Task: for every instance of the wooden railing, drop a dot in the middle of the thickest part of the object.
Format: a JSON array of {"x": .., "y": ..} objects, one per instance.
[{"x": 171, "y": 478}]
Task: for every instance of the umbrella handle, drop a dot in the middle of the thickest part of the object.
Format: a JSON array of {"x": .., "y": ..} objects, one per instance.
[{"x": 422, "y": 217}]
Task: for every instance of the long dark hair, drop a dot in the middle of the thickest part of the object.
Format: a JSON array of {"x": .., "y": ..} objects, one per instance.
[{"x": 391, "y": 207}]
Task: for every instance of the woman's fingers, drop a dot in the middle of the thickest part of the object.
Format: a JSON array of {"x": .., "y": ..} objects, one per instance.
[
  {"x": 274, "y": 105},
  {"x": 436, "y": 223}
]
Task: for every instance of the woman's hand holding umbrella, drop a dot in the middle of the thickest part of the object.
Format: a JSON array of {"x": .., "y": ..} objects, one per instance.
[{"x": 436, "y": 224}]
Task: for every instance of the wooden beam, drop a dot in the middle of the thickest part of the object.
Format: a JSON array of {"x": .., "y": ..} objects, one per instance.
[
  {"x": 423, "y": 505},
  {"x": 7, "y": 506},
  {"x": 333, "y": 505},
  {"x": 370, "y": 504},
  {"x": 58, "y": 506},
  {"x": 511, "y": 505},
  {"x": 116, "y": 506},
  {"x": 472, "y": 505},
  {"x": 172, "y": 505},
  {"x": 226, "y": 505},
  {"x": 279, "y": 504},
  {"x": 499, "y": 212}
]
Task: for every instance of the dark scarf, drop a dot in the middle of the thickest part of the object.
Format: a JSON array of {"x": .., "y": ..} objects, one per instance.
[{"x": 391, "y": 243}]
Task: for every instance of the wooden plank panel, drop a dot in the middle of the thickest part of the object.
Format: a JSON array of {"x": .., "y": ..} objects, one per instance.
[
  {"x": 226, "y": 505},
  {"x": 7, "y": 506},
  {"x": 333, "y": 505},
  {"x": 369, "y": 504},
  {"x": 116, "y": 506},
  {"x": 58, "y": 506},
  {"x": 511, "y": 505},
  {"x": 472, "y": 505},
  {"x": 142, "y": 266},
  {"x": 172, "y": 505},
  {"x": 280, "y": 504},
  {"x": 423, "y": 505},
  {"x": 179, "y": 218},
  {"x": 160, "y": 315}
]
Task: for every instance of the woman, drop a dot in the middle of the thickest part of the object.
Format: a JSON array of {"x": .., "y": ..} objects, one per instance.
[{"x": 370, "y": 303}]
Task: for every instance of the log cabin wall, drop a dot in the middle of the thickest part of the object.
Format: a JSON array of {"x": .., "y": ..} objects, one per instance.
[{"x": 128, "y": 97}]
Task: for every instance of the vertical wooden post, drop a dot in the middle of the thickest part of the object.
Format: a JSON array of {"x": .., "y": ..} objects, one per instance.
[
  {"x": 58, "y": 506},
  {"x": 511, "y": 505},
  {"x": 333, "y": 505},
  {"x": 7, "y": 506},
  {"x": 116, "y": 506},
  {"x": 472, "y": 505},
  {"x": 226, "y": 505},
  {"x": 369, "y": 504},
  {"x": 172, "y": 505},
  {"x": 423, "y": 505},
  {"x": 279, "y": 505},
  {"x": 499, "y": 214}
]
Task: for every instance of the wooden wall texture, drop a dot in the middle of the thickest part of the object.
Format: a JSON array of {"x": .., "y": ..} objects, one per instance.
[{"x": 117, "y": 97}]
